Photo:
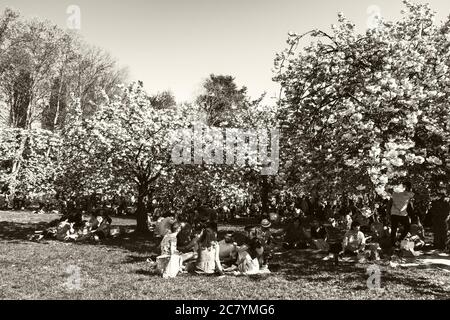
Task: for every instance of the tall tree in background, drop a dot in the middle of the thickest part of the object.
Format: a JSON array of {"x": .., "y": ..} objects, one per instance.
[
  {"x": 223, "y": 104},
  {"x": 40, "y": 66},
  {"x": 30, "y": 65},
  {"x": 163, "y": 100},
  {"x": 221, "y": 100}
]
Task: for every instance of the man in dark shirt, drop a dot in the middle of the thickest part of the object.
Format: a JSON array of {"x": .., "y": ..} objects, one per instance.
[
  {"x": 439, "y": 212},
  {"x": 295, "y": 236}
]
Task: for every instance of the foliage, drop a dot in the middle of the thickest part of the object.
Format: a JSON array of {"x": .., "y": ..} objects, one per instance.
[
  {"x": 28, "y": 160},
  {"x": 366, "y": 111},
  {"x": 125, "y": 145}
]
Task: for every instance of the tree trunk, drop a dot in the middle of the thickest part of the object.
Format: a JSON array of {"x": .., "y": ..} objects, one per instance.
[
  {"x": 58, "y": 101},
  {"x": 16, "y": 165},
  {"x": 265, "y": 196},
  {"x": 141, "y": 212}
]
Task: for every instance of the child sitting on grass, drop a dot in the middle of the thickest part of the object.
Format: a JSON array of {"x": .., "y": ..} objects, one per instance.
[
  {"x": 354, "y": 241},
  {"x": 170, "y": 260}
]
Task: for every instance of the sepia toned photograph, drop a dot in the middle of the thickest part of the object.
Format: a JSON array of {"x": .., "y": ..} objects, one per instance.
[{"x": 241, "y": 152}]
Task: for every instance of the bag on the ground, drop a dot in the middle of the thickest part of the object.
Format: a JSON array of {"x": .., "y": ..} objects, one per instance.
[
  {"x": 169, "y": 266},
  {"x": 407, "y": 245},
  {"x": 161, "y": 263},
  {"x": 407, "y": 248},
  {"x": 246, "y": 264}
]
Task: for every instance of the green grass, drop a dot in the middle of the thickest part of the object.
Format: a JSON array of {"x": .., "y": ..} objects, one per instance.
[{"x": 116, "y": 269}]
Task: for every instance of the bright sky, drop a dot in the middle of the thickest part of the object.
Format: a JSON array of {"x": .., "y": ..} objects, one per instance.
[{"x": 176, "y": 44}]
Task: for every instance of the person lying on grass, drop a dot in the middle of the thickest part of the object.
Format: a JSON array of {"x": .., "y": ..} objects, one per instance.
[
  {"x": 76, "y": 229},
  {"x": 354, "y": 241}
]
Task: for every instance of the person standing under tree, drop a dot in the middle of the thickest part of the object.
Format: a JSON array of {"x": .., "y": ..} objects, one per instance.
[
  {"x": 399, "y": 212},
  {"x": 440, "y": 211}
]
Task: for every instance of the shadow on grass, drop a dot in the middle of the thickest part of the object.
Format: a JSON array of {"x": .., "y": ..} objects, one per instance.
[
  {"x": 17, "y": 232},
  {"x": 135, "y": 259},
  {"x": 306, "y": 265},
  {"x": 147, "y": 273},
  {"x": 132, "y": 243},
  {"x": 420, "y": 285}
]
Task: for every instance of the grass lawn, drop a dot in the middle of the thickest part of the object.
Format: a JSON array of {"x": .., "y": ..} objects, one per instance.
[{"x": 116, "y": 269}]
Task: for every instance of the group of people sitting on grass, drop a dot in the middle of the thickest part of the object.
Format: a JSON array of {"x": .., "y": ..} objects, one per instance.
[
  {"x": 353, "y": 234},
  {"x": 73, "y": 228},
  {"x": 335, "y": 237},
  {"x": 350, "y": 235},
  {"x": 203, "y": 253}
]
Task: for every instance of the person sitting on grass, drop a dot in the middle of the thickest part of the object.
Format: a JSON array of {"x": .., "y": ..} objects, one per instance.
[
  {"x": 417, "y": 234},
  {"x": 163, "y": 225},
  {"x": 228, "y": 250},
  {"x": 185, "y": 235},
  {"x": 318, "y": 236},
  {"x": 334, "y": 239},
  {"x": 260, "y": 233},
  {"x": 208, "y": 261},
  {"x": 380, "y": 234},
  {"x": 347, "y": 221},
  {"x": 171, "y": 261},
  {"x": 169, "y": 242},
  {"x": 253, "y": 260},
  {"x": 354, "y": 241},
  {"x": 263, "y": 232},
  {"x": 190, "y": 251},
  {"x": 295, "y": 236},
  {"x": 100, "y": 226}
]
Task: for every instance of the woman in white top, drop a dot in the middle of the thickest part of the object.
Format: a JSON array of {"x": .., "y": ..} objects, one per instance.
[{"x": 208, "y": 254}]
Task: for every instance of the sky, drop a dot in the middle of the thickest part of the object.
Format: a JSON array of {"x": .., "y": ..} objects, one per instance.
[{"x": 176, "y": 44}]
